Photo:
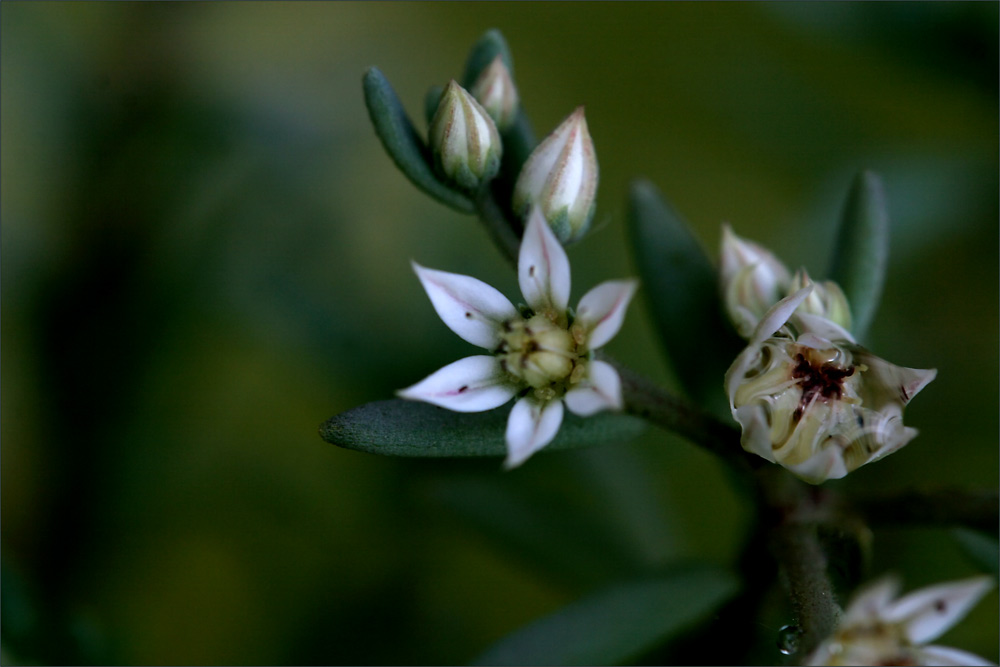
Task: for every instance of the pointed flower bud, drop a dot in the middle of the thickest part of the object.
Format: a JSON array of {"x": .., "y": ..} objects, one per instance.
[
  {"x": 810, "y": 399},
  {"x": 752, "y": 280},
  {"x": 495, "y": 90},
  {"x": 826, "y": 299},
  {"x": 464, "y": 139},
  {"x": 560, "y": 177}
]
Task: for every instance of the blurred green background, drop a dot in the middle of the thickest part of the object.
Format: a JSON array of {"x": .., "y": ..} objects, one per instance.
[{"x": 206, "y": 254}]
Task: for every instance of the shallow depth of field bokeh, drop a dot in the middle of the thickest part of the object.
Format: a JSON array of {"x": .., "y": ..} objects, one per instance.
[{"x": 206, "y": 253}]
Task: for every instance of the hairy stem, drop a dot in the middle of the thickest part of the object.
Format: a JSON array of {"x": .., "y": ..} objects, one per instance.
[{"x": 796, "y": 511}]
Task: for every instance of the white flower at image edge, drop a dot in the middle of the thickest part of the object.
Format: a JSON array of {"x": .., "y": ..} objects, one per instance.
[
  {"x": 877, "y": 629},
  {"x": 544, "y": 357}
]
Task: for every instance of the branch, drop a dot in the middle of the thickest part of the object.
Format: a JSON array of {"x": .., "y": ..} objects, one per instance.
[
  {"x": 943, "y": 506},
  {"x": 644, "y": 398}
]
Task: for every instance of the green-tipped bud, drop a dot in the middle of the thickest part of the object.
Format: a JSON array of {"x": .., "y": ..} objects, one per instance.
[
  {"x": 495, "y": 90},
  {"x": 826, "y": 299},
  {"x": 560, "y": 177},
  {"x": 464, "y": 139},
  {"x": 752, "y": 280}
]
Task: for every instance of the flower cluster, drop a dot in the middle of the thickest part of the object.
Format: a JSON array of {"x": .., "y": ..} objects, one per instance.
[
  {"x": 806, "y": 395},
  {"x": 560, "y": 175},
  {"x": 542, "y": 354}
]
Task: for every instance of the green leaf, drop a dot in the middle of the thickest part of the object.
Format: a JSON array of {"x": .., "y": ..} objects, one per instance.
[
  {"x": 403, "y": 144},
  {"x": 409, "y": 428},
  {"x": 861, "y": 252},
  {"x": 579, "y": 521},
  {"x": 619, "y": 623},
  {"x": 680, "y": 284},
  {"x": 983, "y": 550}
]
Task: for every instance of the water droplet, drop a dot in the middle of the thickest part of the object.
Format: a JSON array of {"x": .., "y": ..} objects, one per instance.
[{"x": 788, "y": 639}]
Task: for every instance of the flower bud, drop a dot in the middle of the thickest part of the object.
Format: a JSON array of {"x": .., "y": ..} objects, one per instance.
[
  {"x": 752, "y": 280},
  {"x": 560, "y": 177},
  {"x": 826, "y": 299},
  {"x": 464, "y": 139},
  {"x": 495, "y": 90}
]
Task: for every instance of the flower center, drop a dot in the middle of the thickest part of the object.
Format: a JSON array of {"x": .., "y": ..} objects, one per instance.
[
  {"x": 539, "y": 352},
  {"x": 819, "y": 375}
]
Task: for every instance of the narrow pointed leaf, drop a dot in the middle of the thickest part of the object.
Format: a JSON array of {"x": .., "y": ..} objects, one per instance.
[
  {"x": 619, "y": 623},
  {"x": 404, "y": 145},
  {"x": 680, "y": 284},
  {"x": 861, "y": 252},
  {"x": 407, "y": 428}
]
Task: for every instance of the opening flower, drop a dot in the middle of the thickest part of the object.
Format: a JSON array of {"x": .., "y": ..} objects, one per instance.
[
  {"x": 542, "y": 354},
  {"x": 877, "y": 629},
  {"x": 811, "y": 399}
]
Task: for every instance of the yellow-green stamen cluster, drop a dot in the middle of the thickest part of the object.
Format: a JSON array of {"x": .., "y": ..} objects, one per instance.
[{"x": 544, "y": 355}]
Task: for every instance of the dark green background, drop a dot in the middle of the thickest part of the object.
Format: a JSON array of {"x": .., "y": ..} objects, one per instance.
[{"x": 206, "y": 254}]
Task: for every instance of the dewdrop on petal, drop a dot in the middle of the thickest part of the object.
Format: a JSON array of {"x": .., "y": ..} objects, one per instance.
[
  {"x": 464, "y": 139},
  {"x": 560, "y": 178}
]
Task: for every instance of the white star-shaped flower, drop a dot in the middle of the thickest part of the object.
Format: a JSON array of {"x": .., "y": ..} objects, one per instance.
[
  {"x": 877, "y": 629},
  {"x": 543, "y": 356}
]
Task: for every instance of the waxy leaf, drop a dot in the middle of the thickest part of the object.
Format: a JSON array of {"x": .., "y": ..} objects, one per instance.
[
  {"x": 408, "y": 428},
  {"x": 617, "y": 624},
  {"x": 404, "y": 145},
  {"x": 682, "y": 289},
  {"x": 861, "y": 253}
]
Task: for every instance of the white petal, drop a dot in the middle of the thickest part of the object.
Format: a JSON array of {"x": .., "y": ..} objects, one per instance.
[
  {"x": 473, "y": 384},
  {"x": 929, "y": 612},
  {"x": 602, "y": 310},
  {"x": 947, "y": 656},
  {"x": 600, "y": 390},
  {"x": 778, "y": 314},
  {"x": 821, "y": 326},
  {"x": 542, "y": 266},
  {"x": 531, "y": 426},
  {"x": 869, "y": 602},
  {"x": 470, "y": 307}
]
